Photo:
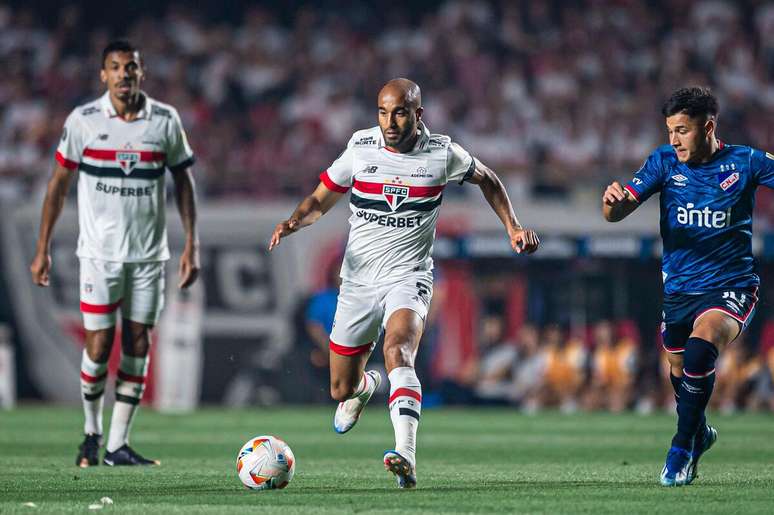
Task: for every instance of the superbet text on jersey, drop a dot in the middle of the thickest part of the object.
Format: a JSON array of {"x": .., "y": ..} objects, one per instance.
[
  {"x": 121, "y": 212},
  {"x": 395, "y": 200},
  {"x": 706, "y": 215}
]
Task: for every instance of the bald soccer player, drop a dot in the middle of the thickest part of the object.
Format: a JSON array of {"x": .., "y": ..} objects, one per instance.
[{"x": 397, "y": 172}]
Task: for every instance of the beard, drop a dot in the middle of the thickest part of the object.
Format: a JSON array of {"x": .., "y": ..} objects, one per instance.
[{"x": 401, "y": 138}]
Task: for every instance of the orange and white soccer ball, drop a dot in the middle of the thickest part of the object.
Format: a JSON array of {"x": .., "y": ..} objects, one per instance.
[{"x": 265, "y": 463}]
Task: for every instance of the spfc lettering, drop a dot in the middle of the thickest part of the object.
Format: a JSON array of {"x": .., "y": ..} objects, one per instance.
[
  {"x": 395, "y": 195},
  {"x": 127, "y": 161}
]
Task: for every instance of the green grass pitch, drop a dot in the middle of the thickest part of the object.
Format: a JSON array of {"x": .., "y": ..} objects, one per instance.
[{"x": 470, "y": 461}]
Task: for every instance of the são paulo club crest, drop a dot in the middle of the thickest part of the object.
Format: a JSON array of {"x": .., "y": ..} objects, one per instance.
[
  {"x": 127, "y": 159},
  {"x": 395, "y": 195}
]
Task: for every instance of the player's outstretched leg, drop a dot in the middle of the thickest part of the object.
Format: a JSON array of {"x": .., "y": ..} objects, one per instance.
[
  {"x": 706, "y": 435},
  {"x": 130, "y": 385},
  {"x": 401, "y": 341},
  {"x": 695, "y": 391},
  {"x": 348, "y": 412},
  {"x": 405, "y": 407},
  {"x": 93, "y": 378},
  {"x": 351, "y": 385}
]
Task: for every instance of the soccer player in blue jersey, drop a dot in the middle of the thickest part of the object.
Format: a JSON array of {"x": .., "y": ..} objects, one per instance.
[{"x": 710, "y": 285}]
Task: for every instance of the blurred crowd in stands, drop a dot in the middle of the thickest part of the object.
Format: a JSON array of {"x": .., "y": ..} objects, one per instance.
[
  {"x": 604, "y": 365},
  {"x": 554, "y": 95},
  {"x": 550, "y": 368}
]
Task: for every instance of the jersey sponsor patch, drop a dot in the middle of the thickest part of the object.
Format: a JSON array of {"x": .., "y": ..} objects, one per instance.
[{"x": 728, "y": 180}]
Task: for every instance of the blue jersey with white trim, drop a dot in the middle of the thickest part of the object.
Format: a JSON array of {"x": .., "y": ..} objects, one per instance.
[{"x": 706, "y": 215}]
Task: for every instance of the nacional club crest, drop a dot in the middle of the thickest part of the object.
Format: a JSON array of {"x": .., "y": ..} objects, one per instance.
[
  {"x": 395, "y": 195},
  {"x": 728, "y": 180}
]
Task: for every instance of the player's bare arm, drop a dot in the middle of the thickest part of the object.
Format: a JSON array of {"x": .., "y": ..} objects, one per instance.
[
  {"x": 308, "y": 212},
  {"x": 56, "y": 193},
  {"x": 617, "y": 203},
  {"x": 522, "y": 240},
  {"x": 185, "y": 197}
]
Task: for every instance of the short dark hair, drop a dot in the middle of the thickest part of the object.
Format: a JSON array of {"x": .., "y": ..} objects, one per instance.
[
  {"x": 117, "y": 45},
  {"x": 694, "y": 101}
]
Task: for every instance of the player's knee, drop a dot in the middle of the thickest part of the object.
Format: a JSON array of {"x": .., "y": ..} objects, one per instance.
[
  {"x": 99, "y": 343},
  {"x": 135, "y": 338},
  {"x": 700, "y": 356},
  {"x": 675, "y": 363},
  {"x": 718, "y": 335},
  {"x": 715, "y": 328}
]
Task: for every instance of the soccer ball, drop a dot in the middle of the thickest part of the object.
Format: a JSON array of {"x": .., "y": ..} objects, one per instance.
[{"x": 265, "y": 463}]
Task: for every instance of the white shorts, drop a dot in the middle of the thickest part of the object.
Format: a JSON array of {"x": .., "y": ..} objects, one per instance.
[
  {"x": 363, "y": 310},
  {"x": 136, "y": 288}
]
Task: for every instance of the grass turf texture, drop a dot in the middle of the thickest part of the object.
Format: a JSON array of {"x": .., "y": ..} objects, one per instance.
[{"x": 471, "y": 461}]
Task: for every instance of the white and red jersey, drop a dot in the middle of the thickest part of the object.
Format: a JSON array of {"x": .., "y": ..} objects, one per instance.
[
  {"x": 395, "y": 200},
  {"x": 121, "y": 165}
]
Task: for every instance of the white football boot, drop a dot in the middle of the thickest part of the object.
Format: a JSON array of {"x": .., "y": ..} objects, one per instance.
[
  {"x": 348, "y": 412},
  {"x": 404, "y": 470}
]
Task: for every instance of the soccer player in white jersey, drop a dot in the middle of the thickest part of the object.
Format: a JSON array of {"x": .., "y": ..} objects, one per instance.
[
  {"x": 397, "y": 172},
  {"x": 119, "y": 146}
]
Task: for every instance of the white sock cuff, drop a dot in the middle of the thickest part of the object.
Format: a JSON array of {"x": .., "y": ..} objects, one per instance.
[
  {"x": 92, "y": 367},
  {"x": 404, "y": 377}
]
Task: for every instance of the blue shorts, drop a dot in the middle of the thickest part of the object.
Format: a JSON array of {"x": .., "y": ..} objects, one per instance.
[{"x": 681, "y": 312}]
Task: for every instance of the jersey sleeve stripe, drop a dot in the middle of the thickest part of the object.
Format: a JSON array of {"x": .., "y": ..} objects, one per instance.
[
  {"x": 111, "y": 155},
  {"x": 183, "y": 164},
  {"x": 414, "y": 191},
  {"x": 99, "y": 309},
  {"x": 330, "y": 184},
  {"x": 470, "y": 172},
  {"x": 632, "y": 192},
  {"x": 62, "y": 160}
]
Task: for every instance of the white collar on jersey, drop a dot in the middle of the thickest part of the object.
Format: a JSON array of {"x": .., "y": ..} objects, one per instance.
[
  {"x": 110, "y": 110},
  {"x": 422, "y": 141}
]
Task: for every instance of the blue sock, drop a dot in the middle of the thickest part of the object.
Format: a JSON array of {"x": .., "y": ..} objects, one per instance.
[
  {"x": 695, "y": 390},
  {"x": 676, "y": 383}
]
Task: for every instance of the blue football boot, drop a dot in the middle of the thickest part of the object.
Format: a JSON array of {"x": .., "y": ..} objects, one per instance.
[
  {"x": 675, "y": 471},
  {"x": 702, "y": 445}
]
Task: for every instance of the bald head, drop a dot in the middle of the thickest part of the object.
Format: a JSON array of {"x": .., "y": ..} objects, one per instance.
[
  {"x": 400, "y": 110},
  {"x": 404, "y": 91}
]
